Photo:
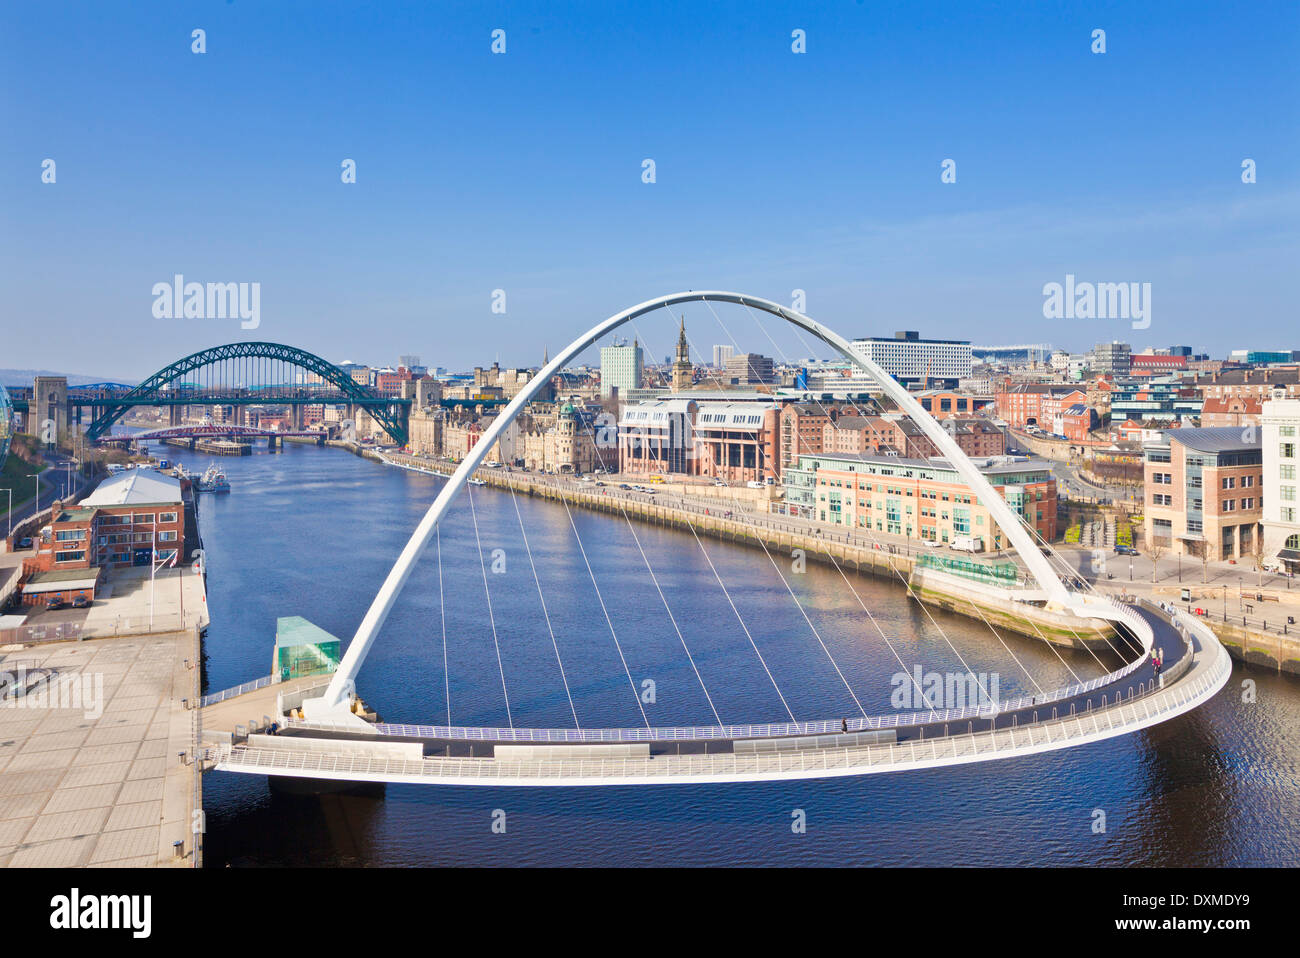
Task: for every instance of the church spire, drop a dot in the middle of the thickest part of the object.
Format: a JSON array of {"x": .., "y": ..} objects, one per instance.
[{"x": 683, "y": 371}]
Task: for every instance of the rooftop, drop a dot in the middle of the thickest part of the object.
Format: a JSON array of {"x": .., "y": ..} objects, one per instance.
[
  {"x": 135, "y": 487},
  {"x": 994, "y": 465},
  {"x": 65, "y": 575},
  {"x": 293, "y": 630},
  {"x": 1218, "y": 439}
]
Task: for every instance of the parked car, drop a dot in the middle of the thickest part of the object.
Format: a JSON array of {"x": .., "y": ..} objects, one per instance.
[
  {"x": 53, "y": 604},
  {"x": 81, "y": 602},
  {"x": 624, "y": 486},
  {"x": 1125, "y": 551},
  {"x": 25, "y": 542}
]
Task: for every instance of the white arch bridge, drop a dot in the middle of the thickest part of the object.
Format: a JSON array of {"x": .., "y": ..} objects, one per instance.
[{"x": 330, "y": 742}]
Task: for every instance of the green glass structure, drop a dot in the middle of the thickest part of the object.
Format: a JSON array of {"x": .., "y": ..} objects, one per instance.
[{"x": 303, "y": 649}]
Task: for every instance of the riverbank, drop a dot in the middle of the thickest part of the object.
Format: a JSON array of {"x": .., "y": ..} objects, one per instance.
[{"x": 999, "y": 608}]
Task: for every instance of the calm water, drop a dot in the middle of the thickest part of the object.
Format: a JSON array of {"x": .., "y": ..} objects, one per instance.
[{"x": 312, "y": 532}]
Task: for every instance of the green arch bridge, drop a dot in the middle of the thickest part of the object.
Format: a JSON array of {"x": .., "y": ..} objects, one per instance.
[{"x": 241, "y": 375}]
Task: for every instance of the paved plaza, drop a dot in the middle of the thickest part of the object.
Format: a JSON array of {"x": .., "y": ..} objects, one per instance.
[{"x": 90, "y": 772}]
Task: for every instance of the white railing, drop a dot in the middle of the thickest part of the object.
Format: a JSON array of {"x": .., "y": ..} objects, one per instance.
[
  {"x": 215, "y": 697},
  {"x": 769, "y": 730},
  {"x": 1211, "y": 673}
]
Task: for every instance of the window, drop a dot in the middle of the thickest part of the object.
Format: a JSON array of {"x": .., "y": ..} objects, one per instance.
[
  {"x": 1286, "y": 472},
  {"x": 1286, "y": 493},
  {"x": 1286, "y": 431},
  {"x": 1229, "y": 505},
  {"x": 1288, "y": 514},
  {"x": 69, "y": 556},
  {"x": 1229, "y": 482},
  {"x": 1287, "y": 450},
  {"x": 167, "y": 536},
  {"x": 167, "y": 517},
  {"x": 1247, "y": 503}
]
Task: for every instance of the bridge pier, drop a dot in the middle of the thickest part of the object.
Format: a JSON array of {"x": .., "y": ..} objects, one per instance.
[{"x": 173, "y": 416}]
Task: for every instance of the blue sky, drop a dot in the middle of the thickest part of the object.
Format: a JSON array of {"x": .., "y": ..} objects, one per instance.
[{"x": 522, "y": 171}]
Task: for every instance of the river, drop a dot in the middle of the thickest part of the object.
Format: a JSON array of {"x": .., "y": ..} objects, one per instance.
[{"x": 313, "y": 532}]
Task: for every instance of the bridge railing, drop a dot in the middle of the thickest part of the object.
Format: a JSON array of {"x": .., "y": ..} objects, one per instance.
[
  {"x": 1101, "y": 723},
  {"x": 1112, "y": 608},
  {"x": 215, "y": 697}
]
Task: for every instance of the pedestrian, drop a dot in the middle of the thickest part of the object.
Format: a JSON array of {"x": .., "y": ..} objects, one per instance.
[{"x": 844, "y": 725}]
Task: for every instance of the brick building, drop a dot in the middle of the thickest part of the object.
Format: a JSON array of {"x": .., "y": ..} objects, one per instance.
[
  {"x": 1203, "y": 492},
  {"x": 132, "y": 519}
]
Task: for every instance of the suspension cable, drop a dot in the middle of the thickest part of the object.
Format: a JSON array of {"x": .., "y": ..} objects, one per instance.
[
  {"x": 609, "y": 622},
  {"x": 889, "y": 561},
  {"x": 442, "y": 608},
  {"x": 1023, "y": 521},
  {"x": 491, "y": 615},
  {"x": 803, "y": 612},
  {"x": 555, "y": 645}
]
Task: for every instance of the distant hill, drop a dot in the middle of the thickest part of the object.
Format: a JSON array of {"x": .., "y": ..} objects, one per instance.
[{"x": 24, "y": 377}]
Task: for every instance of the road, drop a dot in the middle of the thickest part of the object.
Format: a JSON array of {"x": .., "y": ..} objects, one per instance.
[{"x": 53, "y": 485}]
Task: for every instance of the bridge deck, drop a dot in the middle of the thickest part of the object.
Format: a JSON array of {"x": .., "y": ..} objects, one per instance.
[{"x": 1097, "y": 714}]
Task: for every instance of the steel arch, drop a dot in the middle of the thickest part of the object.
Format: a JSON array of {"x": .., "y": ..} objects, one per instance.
[
  {"x": 142, "y": 395},
  {"x": 334, "y": 700}
]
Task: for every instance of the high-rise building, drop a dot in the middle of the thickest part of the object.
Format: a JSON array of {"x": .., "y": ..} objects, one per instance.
[
  {"x": 721, "y": 354},
  {"x": 621, "y": 367},
  {"x": 910, "y": 359},
  {"x": 748, "y": 369},
  {"x": 1114, "y": 358}
]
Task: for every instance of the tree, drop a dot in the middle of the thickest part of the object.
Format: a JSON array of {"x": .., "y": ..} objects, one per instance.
[
  {"x": 1156, "y": 550},
  {"x": 1259, "y": 551}
]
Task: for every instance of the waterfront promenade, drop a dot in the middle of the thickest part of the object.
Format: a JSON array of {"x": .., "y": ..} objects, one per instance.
[
  {"x": 91, "y": 767},
  {"x": 98, "y": 779}
]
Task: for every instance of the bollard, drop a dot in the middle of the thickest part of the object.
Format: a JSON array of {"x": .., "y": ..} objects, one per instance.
[{"x": 178, "y": 849}]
